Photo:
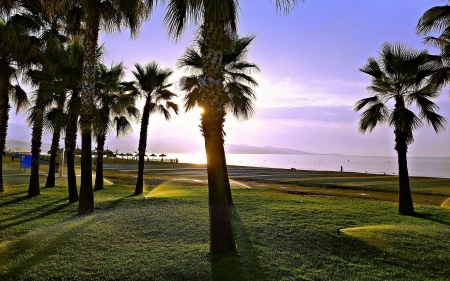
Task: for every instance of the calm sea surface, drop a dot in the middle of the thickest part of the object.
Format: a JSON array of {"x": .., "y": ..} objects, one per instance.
[{"x": 417, "y": 166}]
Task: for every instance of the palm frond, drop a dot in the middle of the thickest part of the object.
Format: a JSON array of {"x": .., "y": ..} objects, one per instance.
[
  {"x": 178, "y": 13},
  {"x": 191, "y": 61},
  {"x": 404, "y": 120},
  {"x": 54, "y": 118},
  {"x": 434, "y": 19},
  {"x": 372, "y": 68},
  {"x": 376, "y": 114},
  {"x": 123, "y": 126},
  {"x": 285, "y": 6},
  {"x": 366, "y": 102},
  {"x": 19, "y": 98}
]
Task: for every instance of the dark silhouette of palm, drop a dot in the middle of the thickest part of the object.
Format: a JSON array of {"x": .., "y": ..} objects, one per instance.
[
  {"x": 71, "y": 68},
  {"x": 47, "y": 54},
  {"x": 401, "y": 74},
  {"x": 15, "y": 44},
  {"x": 151, "y": 84},
  {"x": 115, "y": 110},
  {"x": 237, "y": 83}
]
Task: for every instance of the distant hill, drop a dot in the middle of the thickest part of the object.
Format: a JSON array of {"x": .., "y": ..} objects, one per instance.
[
  {"x": 247, "y": 149},
  {"x": 15, "y": 145},
  {"x": 19, "y": 139}
]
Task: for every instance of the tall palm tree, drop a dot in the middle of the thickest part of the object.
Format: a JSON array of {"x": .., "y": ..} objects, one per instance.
[
  {"x": 237, "y": 94},
  {"x": 151, "y": 83},
  {"x": 107, "y": 15},
  {"x": 43, "y": 76},
  {"x": 54, "y": 121},
  {"x": 72, "y": 71},
  {"x": 401, "y": 74},
  {"x": 15, "y": 49},
  {"x": 114, "y": 112},
  {"x": 215, "y": 17}
]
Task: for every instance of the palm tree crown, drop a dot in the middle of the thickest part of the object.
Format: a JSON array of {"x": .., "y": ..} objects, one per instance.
[
  {"x": 402, "y": 74},
  {"x": 238, "y": 84}
]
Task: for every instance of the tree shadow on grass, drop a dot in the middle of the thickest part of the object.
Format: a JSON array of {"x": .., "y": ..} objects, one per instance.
[
  {"x": 33, "y": 211},
  {"x": 225, "y": 268},
  {"x": 245, "y": 266},
  {"x": 41, "y": 215},
  {"x": 15, "y": 201},
  {"x": 9, "y": 194},
  {"x": 432, "y": 218},
  {"x": 28, "y": 251}
]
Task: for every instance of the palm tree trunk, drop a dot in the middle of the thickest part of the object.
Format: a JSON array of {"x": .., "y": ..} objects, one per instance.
[
  {"x": 142, "y": 147},
  {"x": 54, "y": 150},
  {"x": 99, "y": 171},
  {"x": 86, "y": 202},
  {"x": 70, "y": 143},
  {"x": 405, "y": 203},
  {"x": 36, "y": 142},
  {"x": 4, "y": 116},
  {"x": 225, "y": 176},
  {"x": 221, "y": 232},
  {"x": 53, "y": 153}
]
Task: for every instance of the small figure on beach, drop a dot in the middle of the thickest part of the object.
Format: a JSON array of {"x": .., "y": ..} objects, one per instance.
[
  {"x": 342, "y": 169},
  {"x": 12, "y": 157}
]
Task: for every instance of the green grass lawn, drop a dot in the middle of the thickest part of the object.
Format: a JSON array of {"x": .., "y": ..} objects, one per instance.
[{"x": 163, "y": 235}]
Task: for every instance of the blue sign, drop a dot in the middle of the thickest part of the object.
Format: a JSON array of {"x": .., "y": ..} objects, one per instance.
[{"x": 25, "y": 161}]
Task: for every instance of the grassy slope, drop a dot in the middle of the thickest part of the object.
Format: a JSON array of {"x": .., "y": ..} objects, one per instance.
[{"x": 163, "y": 235}]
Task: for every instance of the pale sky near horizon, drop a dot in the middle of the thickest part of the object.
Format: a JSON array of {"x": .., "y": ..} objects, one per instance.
[{"x": 309, "y": 79}]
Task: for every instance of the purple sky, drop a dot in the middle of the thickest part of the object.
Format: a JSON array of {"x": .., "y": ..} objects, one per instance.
[{"x": 309, "y": 76}]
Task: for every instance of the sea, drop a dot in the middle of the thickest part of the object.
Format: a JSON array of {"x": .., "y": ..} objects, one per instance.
[{"x": 417, "y": 166}]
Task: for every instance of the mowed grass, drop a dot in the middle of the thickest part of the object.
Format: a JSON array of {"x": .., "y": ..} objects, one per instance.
[{"x": 163, "y": 235}]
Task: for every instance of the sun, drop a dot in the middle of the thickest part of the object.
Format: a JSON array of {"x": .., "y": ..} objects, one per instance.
[{"x": 200, "y": 110}]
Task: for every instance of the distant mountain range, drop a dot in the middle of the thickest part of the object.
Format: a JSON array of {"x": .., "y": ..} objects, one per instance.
[
  {"x": 22, "y": 146},
  {"x": 19, "y": 139},
  {"x": 247, "y": 149}
]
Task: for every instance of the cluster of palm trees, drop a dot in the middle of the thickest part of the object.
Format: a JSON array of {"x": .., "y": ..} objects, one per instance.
[
  {"x": 407, "y": 77},
  {"x": 53, "y": 45}
]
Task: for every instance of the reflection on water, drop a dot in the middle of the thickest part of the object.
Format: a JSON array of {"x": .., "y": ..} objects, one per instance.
[{"x": 417, "y": 166}]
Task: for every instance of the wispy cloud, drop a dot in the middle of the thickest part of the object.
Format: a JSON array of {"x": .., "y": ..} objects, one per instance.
[
  {"x": 327, "y": 114},
  {"x": 290, "y": 92}
]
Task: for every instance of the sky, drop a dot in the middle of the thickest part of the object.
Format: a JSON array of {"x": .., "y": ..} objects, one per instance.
[{"x": 309, "y": 79}]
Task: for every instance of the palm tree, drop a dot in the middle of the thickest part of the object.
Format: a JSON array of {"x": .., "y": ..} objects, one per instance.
[
  {"x": 216, "y": 17},
  {"x": 237, "y": 94},
  {"x": 54, "y": 120},
  {"x": 15, "y": 44},
  {"x": 401, "y": 74},
  {"x": 48, "y": 54},
  {"x": 72, "y": 71},
  {"x": 114, "y": 112},
  {"x": 151, "y": 83}
]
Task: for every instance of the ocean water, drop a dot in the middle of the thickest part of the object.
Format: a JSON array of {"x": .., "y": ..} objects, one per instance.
[{"x": 417, "y": 166}]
